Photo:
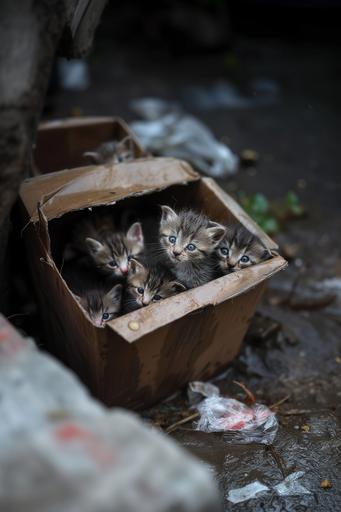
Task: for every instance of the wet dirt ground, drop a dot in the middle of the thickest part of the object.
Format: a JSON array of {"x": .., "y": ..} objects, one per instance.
[{"x": 293, "y": 348}]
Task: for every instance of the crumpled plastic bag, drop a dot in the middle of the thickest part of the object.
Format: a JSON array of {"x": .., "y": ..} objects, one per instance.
[
  {"x": 288, "y": 487},
  {"x": 198, "y": 389},
  {"x": 243, "y": 424},
  {"x": 169, "y": 131}
]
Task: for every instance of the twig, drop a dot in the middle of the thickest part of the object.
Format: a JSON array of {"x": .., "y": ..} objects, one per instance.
[
  {"x": 278, "y": 459},
  {"x": 251, "y": 397},
  {"x": 177, "y": 424},
  {"x": 280, "y": 402}
]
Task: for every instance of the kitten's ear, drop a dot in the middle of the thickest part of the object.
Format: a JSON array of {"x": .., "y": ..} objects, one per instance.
[
  {"x": 178, "y": 287},
  {"x": 135, "y": 233},
  {"x": 93, "y": 245},
  {"x": 115, "y": 293},
  {"x": 136, "y": 266},
  {"x": 216, "y": 232},
  {"x": 168, "y": 215},
  {"x": 80, "y": 300},
  {"x": 267, "y": 254}
]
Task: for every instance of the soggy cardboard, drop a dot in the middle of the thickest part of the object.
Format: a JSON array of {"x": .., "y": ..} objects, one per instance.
[{"x": 145, "y": 355}]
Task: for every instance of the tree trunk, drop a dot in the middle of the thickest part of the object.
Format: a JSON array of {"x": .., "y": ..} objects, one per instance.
[{"x": 30, "y": 31}]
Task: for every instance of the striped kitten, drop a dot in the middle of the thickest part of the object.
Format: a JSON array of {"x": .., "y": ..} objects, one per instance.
[
  {"x": 188, "y": 240},
  {"x": 240, "y": 249},
  {"x": 112, "y": 152},
  {"x": 108, "y": 250},
  {"x": 146, "y": 284},
  {"x": 101, "y": 306},
  {"x": 100, "y": 298}
]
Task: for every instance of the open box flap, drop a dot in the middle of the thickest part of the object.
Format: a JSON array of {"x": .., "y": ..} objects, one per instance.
[
  {"x": 84, "y": 187},
  {"x": 139, "y": 323}
]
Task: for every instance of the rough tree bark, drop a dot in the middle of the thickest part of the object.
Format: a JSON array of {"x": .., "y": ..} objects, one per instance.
[{"x": 30, "y": 32}]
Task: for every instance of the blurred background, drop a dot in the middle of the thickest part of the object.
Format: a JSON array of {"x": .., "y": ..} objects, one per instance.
[{"x": 263, "y": 75}]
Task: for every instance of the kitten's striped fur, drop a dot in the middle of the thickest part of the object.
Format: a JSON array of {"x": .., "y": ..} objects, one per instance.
[
  {"x": 188, "y": 240},
  {"x": 239, "y": 249}
]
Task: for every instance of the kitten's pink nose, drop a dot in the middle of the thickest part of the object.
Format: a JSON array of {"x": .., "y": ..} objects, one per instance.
[
  {"x": 124, "y": 270},
  {"x": 176, "y": 253},
  {"x": 145, "y": 302}
]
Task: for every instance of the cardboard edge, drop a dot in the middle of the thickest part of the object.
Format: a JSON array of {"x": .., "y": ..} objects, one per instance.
[
  {"x": 137, "y": 324},
  {"x": 74, "y": 122},
  {"x": 191, "y": 176},
  {"x": 238, "y": 212}
]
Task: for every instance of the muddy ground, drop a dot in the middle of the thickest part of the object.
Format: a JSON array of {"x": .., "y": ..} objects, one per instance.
[{"x": 293, "y": 348}]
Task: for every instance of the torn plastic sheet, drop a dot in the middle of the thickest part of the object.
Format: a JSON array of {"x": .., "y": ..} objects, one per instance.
[
  {"x": 288, "y": 487},
  {"x": 168, "y": 131},
  {"x": 247, "y": 492},
  {"x": 242, "y": 424},
  {"x": 197, "y": 390}
]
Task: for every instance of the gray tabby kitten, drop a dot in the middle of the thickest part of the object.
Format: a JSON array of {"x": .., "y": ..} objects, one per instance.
[
  {"x": 112, "y": 152},
  {"x": 240, "y": 249},
  {"x": 100, "y": 298},
  {"x": 188, "y": 240},
  {"x": 146, "y": 284},
  {"x": 105, "y": 248},
  {"x": 101, "y": 306}
]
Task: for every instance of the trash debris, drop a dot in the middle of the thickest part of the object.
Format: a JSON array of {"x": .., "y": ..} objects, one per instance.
[
  {"x": 249, "y": 157},
  {"x": 224, "y": 94},
  {"x": 169, "y": 131},
  {"x": 247, "y": 492},
  {"x": 255, "y": 424},
  {"x": 73, "y": 74},
  {"x": 305, "y": 428},
  {"x": 326, "y": 484},
  {"x": 197, "y": 390},
  {"x": 290, "y": 486},
  {"x": 332, "y": 283}
]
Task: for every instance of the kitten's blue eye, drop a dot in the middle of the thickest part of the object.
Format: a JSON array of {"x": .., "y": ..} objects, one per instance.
[
  {"x": 172, "y": 239},
  {"x": 129, "y": 257},
  {"x": 112, "y": 263},
  {"x": 191, "y": 247},
  {"x": 140, "y": 290},
  {"x": 244, "y": 259},
  {"x": 105, "y": 316},
  {"x": 157, "y": 297},
  {"x": 224, "y": 251}
]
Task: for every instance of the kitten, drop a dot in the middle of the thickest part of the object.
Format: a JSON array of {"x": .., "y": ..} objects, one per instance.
[
  {"x": 240, "y": 249},
  {"x": 101, "y": 306},
  {"x": 112, "y": 152},
  {"x": 106, "y": 249},
  {"x": 146, "y": 284},
  {"x": 100, "y": 299},
  {"x": 188, "y": 240}
]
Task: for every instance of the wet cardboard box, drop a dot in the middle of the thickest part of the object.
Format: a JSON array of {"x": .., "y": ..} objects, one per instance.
[{"x": 141, "y": 357}]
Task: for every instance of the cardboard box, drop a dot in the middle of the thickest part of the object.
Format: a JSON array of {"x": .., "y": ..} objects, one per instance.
[
  {"x": 60, "y": 144},
  {"x": 141, "y": 357}
]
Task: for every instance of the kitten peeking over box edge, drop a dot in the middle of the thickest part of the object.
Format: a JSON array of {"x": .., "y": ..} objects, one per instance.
[{"x": 113, "y": 271}]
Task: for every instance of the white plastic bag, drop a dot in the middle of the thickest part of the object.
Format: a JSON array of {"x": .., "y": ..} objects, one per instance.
[
  {"x": 243, "y": 424},
  {"x": 169, "y": 131}
]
